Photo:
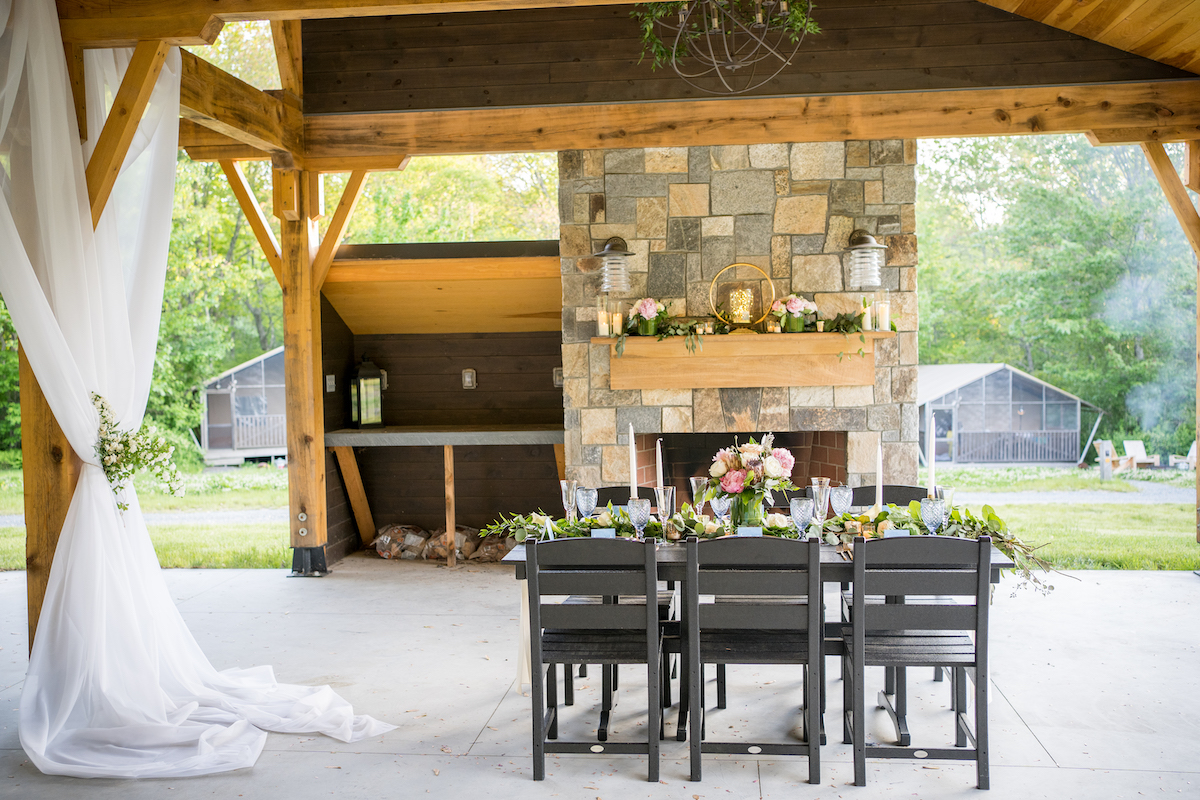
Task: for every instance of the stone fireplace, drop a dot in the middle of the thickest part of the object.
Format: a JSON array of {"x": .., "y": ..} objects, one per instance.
[{"x": 686, "y": 213}]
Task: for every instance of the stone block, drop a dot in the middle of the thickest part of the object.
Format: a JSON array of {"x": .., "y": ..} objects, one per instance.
[
  {"x": 810, "y": 396},
  {"x": 829, "y": 419},
  {"x": 781, "y": 257},
  {"x": 884, "y": 417},
  {"x": 908, "y": 347},
  {"x": 774, "y": 414},
  {"x": 602, "y": 233},
  {"x": 699, "y": 165},
  {"x": 668, "y": 275},
  {"x": 901, "y": 250},
  {"x": 716, "y": 226},
  {"x": 865, "y": 223},
  {"x": 651, "y": 217},
  {"x": 725, "y": 157},
  {"x": 743, "y": 192},
  {"x": 717, "y": 253},
  {"x": 783, "y": 182},
  {"x": 683, "y": 233},
  {"x": 891, "y": 435},
  {"x": 768, "y": 156},
  {"x": 887, "y": 151},
  {"x": 707, "y": 415},
  {"x": 575, "y": 392},
  {"x": 677, "y": 419},
  {"x": 904, "y": 310},
  {"x": 907, "y": 279},
  {"x": 858, "y": 154},
  {"x": 667, "y": 397},
  {"x": 888, "y": 223},
  {"x": 645, "y": 419},
  {"x": 666, "y": 159},
  {"x": 831, "y": 303},
  {"x": 752, "y": 235},
  {"x": 837, "y": 238},
  {"x": 741, "y": 407},
  {"x": 846, "y": 197},
  {"x": 853, "y": 396},
  {"x": 596, "y": 206},
  {"x": 640, "y": 260},
  {"x": 598, "y": 369},
  {"x": 590, "y": 454},
  {"x": 575, "y": 360},
  {"x": 635, "y": 185},
  {"x": 579, "y": 209},
  {"x": 595, "y": 184},
  {"x": 570, "y": 165},
  {"x": 697, "y": 298},
  {"x": 910, "y": 151},
  {"x": 887, "y": 353},
  {"x": 821, "y": 273},
  {"x": 624, "y": 161},
  {"x": 908, "y": 218},
  {"x": 695, "y": 273},
  {"x": 882, "y": 210},
  {"x": 818, "y": 160},
  {"x": 574, "y": 240},
  {"x": 598, "y": 425},
  {"x": 810, "y": 187},
  {"x": 873, "y": 192},
  {"x": 862, "y": 451},
  {"x": 883, "y": 383},
  {"x": 904, "y": 384},
  {"x": 593, "y": 163},
  {"x": 586, "y": 474},
  {"x": 688, "y": 199},
  {"x": 607, "y": 398},
  {"x": 889, "y": 277},
  {"x": 900, "y": 184},
  {"x": 614, "y": 464},
  {"x": 621, "y": 210},
  {"x": 808, "y": 245},
  {"x": 910, "y": 422},
  {"x": 571, "y": 419},
  {"x": 900, "y": 462},
  {"x": 804, "y": 214}
]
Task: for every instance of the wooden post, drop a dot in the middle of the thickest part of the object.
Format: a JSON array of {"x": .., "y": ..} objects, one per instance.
[
  {"x": 448, "y": 457},
  {"x": 301, "y": 360},
  {"x": 51, "y": 471}
]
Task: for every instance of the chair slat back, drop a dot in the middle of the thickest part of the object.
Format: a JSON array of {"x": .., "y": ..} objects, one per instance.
[
  {"x": 754, "y": 568},
  {"x": 892, "y": 493},
  {"x": 614, "y": 568}
]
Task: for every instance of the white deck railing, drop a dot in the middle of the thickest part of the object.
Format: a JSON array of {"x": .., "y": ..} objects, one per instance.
[
  {"x": 1017, "y": 446},
  {"x": 264, "y": 430}
]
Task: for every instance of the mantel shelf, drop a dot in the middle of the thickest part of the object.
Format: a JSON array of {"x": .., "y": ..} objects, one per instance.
[{"x": 745, "y": 360}]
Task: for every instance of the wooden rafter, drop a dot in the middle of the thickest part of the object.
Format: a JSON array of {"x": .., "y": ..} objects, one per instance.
[
  {"x": 1167, "y": 133},
  {"x": 1191, "y": 166},
  {"x": 254, "y": 215},
  {"x": 122, "y": 122},
  {"x": 197, "y": 28},
  {"x": 1177, "y": 195},
  {"x": 285, "y": 34},
  {"x": 78, "y": 93},
  {"x": 474, "y": 270},
  {"x": 217, "y": 100},
  {"x": 352, "y": 480},
  {"x": 337, "y": 227},
  {"x": 982, "y": 112}
]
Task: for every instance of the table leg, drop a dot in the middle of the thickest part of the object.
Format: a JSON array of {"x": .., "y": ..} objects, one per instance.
[
  {"x": 524, "y": 674},
  {"x": 448, "y": 457}
]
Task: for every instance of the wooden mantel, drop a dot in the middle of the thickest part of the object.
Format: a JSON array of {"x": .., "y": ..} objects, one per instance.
[{"x": 745, "y": 360}]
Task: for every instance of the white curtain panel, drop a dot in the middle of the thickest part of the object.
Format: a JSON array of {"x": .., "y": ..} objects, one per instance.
[{"x": 117, "y": 686}]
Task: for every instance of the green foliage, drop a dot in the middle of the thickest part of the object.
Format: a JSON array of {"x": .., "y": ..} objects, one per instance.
[
  {"x": 1064, "y": 260},
  {"x": 10, "y": 392},
  {"x": 799, "y": 22},
  {"x": 246, "y": 50}
]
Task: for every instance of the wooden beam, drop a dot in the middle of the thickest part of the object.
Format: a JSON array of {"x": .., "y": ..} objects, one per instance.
[
  {"x": 51, "y": 470},
  {"x": 382, "y": 163},
  {"x": 381, "y": 270},
  {"x": 285, "y": 34},
  {"x": 1169, "y": 133},
  {"x": 982, "y": 112},
  {"x": 355, "y": 492},
  {"x": 302, "y": 351},
  {"x": 1177, "y": 195},
  {"x": 75, "y": 72},
  {"x": 230, "y": 106},
  {"x": 451, "y": 526},
  {"x": 1191, "y": 166},
  {"x": 337, "y": 227},
  {"x": 122, "y": 122},
  {"x": 197, "y": 28},
  {"x": 254, "y": 215}
]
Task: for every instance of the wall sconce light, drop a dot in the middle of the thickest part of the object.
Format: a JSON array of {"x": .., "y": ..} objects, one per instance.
[
  {"x": 866, "y": 260},
  {"x": 366, "y": 396},
  {"x": 614, "y": 266}
]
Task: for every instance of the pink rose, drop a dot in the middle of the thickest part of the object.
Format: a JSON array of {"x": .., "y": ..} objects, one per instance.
[
  {"x": 733, "y": 482},
  {"x": 795, "y": 305},
  {"x": 777, "y": 305},
  {"x": 647, "y": 308},
  {"x": 785, "y": 458}
]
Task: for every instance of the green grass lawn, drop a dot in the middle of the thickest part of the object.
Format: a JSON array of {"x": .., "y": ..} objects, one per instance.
[{"x": 1109, "y": 536}]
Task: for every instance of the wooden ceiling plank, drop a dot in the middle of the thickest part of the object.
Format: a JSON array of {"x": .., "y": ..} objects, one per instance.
[
  {"x": 992, "y": 112},
  {"x": 122, "y": 122},
  {"x": 219, "y": 101},
  {"x": 337, "y": 227},
  {"x": 1184, "y": 52},
  {"x": 409, "y": 270},
  {"x": 1177, "y": 195},
  {"x": 254, "y": 215},
  {"x": 285, "y": 34},
  {"x": 1100, "y": 24},
  {"x": 1167, "y": 38},
  {"x": 1142, "y": 22}
]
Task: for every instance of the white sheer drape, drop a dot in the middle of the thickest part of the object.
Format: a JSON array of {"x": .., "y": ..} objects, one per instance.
[{"x": 117, "y": 686}]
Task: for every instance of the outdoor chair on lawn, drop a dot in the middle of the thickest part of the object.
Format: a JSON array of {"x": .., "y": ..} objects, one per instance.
[
  {"x": 766, "y": 609},
  {"x": 1188, "y": 461},
  {"x": 1107, "y": 453},
  {"x": 626, "y": 631},
  {"x": 1136, "y": 449},
  {"x": 937, "y": 615}
]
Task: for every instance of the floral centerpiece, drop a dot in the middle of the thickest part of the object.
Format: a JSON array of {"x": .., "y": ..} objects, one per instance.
[
  {"x": 123, "y": 454},
  {"x": 647, "y": 314},
  {"x": 792, "y": 311},
  {"x": 746, "y": 474}
]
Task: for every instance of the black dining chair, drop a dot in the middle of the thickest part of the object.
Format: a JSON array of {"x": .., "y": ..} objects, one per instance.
[
  {"x": 766, "y": 609},
  {"x": 936, "y": 615},
  {"x": 892, "y": 493},
  {"x": 619, "y": 495},
  {"x": 626, "y": 631}
]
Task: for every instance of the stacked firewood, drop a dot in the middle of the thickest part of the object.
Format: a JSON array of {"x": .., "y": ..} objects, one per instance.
[{"x": 410, "y": 542}]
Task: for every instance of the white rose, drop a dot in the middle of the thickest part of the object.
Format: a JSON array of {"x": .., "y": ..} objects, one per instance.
[
  {"x": 772, "y": 467},
  {"x": 776, "y": 521},
  {"x": 717, "y": 469},
  {"x": 605, "y": 519},
  {"x": 711, "y": 527}
]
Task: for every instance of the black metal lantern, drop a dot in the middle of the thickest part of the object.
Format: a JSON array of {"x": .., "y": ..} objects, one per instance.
[{"x": 366, "y": 396}]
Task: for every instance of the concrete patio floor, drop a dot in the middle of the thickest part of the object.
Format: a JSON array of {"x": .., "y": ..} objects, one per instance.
[{"x": 1095, "y": 695}]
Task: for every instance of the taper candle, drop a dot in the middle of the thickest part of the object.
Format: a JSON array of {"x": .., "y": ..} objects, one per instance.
[
  {"x": 658, "y": 464},
  {"x": 632, "y": 466},
  {"x": 879, "y": 478}
]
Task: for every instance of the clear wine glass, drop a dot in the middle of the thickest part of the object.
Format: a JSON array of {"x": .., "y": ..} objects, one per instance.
[
  {"x": 639, "y": 514},
  {"x": 665, "y": 497},
  {"x": 568, "y": 497},
  {"x": 948, "y": 500},
  {"x": 933, "y": 511},
  {"x": 585, "y": 501},
  {"x": 820, "y": 490},
  {"x": 699, "y": 487},
  {"x": 720, "y": 507},
  {"x": 802, "y": 514},
  {"x": 840, "y": 498}
]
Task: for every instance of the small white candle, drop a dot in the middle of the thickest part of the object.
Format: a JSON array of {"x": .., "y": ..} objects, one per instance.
[
  {"x": 867, "y": 317},
  {"x": 658, "y": 464},
  {"x": 930, "y": 455},
  {"x": 883, "y": 316},
  {"x": 879, "y": 478},
  {"x": 602, "y": 324},
  {"x": 632, "y": 465}
]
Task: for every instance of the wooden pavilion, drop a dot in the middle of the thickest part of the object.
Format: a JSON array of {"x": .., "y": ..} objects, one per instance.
[{"x": 369, "y": 83}]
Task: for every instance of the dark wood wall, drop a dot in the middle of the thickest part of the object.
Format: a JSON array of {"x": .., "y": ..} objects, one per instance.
[
  {"x": 337, "y": 357},
  {"x": 591, "y": 55}
]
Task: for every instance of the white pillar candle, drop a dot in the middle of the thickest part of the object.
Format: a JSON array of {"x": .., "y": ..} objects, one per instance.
[
  {"x": 883, "y": 315},
  {"x": 602, "y": 324},
  {"x": 632, "y": 465},
  {"x": 658, "y": 464},
  {"x": 879, "y": 478}
]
